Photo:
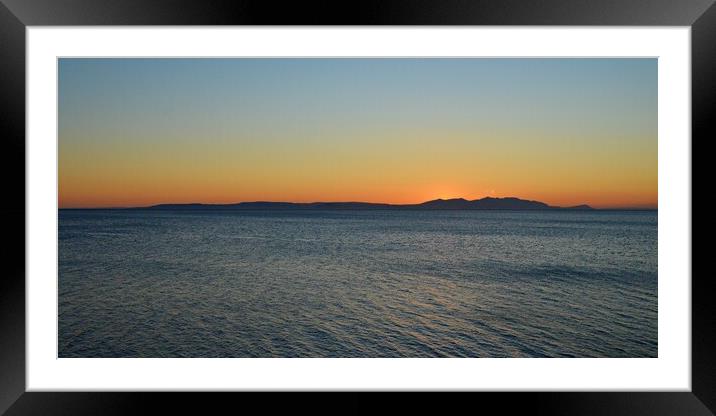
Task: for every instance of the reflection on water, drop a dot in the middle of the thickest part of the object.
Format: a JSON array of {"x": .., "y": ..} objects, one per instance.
[{"x": 357, "y": 284}]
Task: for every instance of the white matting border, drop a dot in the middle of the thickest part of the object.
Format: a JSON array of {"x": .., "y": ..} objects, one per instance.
[{"x": 670, "y": 371}]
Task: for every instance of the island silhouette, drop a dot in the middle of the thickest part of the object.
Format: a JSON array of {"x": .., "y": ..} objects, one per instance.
[{"x": 487, "y": 203}]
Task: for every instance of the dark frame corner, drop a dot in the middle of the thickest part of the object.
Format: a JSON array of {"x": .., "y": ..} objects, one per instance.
[{"x": 15, "y": 15}]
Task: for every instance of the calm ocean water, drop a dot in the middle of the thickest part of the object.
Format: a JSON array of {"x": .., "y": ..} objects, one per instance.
[{"x": 357, "y": 284}]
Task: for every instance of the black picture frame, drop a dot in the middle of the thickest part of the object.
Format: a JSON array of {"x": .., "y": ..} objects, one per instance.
[{"x": 15, "y": 15}]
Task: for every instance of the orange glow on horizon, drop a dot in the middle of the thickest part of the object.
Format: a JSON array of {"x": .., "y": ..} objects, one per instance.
[
  {"x": 139, "y": 132},
  {"x": 400, "y": 168},
  {"x": 138, "y": 199}
]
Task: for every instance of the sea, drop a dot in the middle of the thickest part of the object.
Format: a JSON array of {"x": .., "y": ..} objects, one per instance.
[{"x": 370, "y": 283}]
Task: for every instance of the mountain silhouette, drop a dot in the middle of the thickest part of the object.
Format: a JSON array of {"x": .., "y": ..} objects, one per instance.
[
  {"x": 488, "y": 203},
  {"x": 485, "y": 203}
]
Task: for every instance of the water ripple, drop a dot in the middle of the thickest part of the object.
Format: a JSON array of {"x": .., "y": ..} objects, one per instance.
[{"x": 357, "y": 284}]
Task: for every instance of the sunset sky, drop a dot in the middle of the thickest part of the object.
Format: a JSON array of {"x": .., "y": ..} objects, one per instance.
[{"x": 136, "y": 132}]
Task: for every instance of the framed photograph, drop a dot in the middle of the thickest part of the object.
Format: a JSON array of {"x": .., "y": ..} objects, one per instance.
[{"x": 485, "y": 197}]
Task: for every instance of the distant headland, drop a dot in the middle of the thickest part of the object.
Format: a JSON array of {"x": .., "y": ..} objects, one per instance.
[{"x": 488, "y": 203}]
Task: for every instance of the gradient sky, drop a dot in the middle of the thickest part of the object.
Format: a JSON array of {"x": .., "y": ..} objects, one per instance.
[{"x": 136, "y": 132}]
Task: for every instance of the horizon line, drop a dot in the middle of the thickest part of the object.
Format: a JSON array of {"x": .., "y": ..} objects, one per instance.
[{"x": 635, "y": 207}]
